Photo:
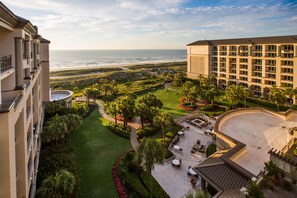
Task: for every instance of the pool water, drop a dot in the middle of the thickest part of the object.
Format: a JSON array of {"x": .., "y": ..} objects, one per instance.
[{"x": 58, "y": 96}]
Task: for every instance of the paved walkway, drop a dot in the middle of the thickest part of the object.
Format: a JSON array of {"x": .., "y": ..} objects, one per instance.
[{"x": 134, "y": 125}]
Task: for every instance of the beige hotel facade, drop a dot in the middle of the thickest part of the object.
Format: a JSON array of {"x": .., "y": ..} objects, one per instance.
[
  {"x": 256, "y": 63},
  {"x": 24, "y": 88}
]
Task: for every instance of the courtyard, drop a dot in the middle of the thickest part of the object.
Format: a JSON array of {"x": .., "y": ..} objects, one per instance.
[{"x": 175, "y": 180}]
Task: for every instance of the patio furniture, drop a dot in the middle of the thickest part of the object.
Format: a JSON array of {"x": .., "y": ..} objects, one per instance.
[
  {"x": 181, "y": 133},
  {"x": 192, "y": 172},
  {"x": 202, "y": 149},
  {"x": 175, "y": 162},
  {"x": 195, "y": 147},
  {"x": 176, "y": 147}
]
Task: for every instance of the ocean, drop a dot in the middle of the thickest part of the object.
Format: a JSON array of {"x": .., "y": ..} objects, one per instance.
[{"x": 66, "y": 59}]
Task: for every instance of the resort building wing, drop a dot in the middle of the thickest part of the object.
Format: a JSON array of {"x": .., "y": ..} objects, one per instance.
[
  {"x": 256, "y": 63},
  {"x": 24, "y": 87}
]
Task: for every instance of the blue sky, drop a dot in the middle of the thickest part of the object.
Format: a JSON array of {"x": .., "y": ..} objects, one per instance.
[{"x": 154, "y": 24}]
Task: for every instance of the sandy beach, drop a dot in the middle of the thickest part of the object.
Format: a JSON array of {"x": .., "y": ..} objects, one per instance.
[{"x": 122, "y": 66}]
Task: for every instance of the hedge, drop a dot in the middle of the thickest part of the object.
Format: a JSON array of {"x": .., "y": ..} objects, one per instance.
[
  {"x": 149, "y": 180},
  {"x": 119, "y": 129},
  {"x": 266, "y": 103},
  {"x": 146, "y": 132}
]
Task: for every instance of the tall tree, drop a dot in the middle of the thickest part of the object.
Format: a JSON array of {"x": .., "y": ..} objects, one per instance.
[
  {"x": 177, "y": 81},
  {"x": 151, "y": 101},
  {"x": 60, "y": 185},
  {"x": 126, "y": 107},
  {"x": 148, "y": 153},
  {"x": 290, "y": 93},
  {"x": 278, "y": 96},
  {"x": 112, "y": 108},
  {"x": 143, "y": 111},
  {"x": 190, "y": 91},
  {"x": 164, "y": 121},
  {"x": 88, "y": 93},
  {"x": 235, "y": 93},
  {"x": 54, "y": 130}
]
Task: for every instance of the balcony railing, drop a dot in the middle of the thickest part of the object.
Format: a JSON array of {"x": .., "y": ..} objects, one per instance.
[
  {"x": 5, "y": 63},
  {"x": 10, "y": 100}
]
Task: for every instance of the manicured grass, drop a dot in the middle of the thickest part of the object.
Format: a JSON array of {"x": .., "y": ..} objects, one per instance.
[
  {"x": 170, "y": 101},
  {"x": 97, "y": 148}
]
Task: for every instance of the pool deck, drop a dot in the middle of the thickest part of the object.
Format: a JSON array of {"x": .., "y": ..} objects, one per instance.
[{"x": 260, "y": 132}]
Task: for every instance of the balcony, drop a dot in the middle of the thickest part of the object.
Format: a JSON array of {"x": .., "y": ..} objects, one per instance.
[
  {"x": 10, "y": 100},
  {"x": 5, "y": 64}
]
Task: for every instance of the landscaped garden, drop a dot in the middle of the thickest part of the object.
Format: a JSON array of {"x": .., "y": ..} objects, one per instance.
[{"x": 97, "y": 148}]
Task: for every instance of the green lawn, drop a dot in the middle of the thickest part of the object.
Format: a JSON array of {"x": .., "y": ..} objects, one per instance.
[
  {"x": 97, "y": 148},
  {"x": 170, "y": 101}
]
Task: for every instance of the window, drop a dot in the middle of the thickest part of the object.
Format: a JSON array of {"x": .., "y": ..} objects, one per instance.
[
  {"x": 243, "y": 60},
  {"x": 232, "y": 48},
  {"x": 287, "y": 78},
  {"x": 271, "y": 48},
  {"x": 287, "y": 70},
  {"x": 289, "y": 63},
  {"x": 258, "y": 48}
]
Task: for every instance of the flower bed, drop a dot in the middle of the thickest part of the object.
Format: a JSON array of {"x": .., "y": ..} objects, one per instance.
[
  {"x": 186, "y": 105},
  {"x": 117, "y": 182},
  {"x": 185, "y": 108}
]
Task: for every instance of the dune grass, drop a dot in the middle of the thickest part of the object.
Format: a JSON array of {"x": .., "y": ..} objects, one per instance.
[{"x": 97, "y": 148}]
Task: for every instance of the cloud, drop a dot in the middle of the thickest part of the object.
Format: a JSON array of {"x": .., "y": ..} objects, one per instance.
[{"x": 154, "y": 23}]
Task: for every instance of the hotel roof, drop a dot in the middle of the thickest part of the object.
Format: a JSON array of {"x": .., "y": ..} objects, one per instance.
[{"x": 248, "y": 41}]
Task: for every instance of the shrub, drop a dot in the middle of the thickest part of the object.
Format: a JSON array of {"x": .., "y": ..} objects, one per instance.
[
  {"x": 131, "y": 179},
  {"x": 266, "y": 103},
  {"x": 119, "y": 130},
  {"x": 211, "y": 149},
  {"x": 209, "y": 107},
  {"x": 287, "y": 185},
  {"x": 150, "y": 182},
  {"x": 169, "y": 134},
  {"x": 54, "y": 157},
  {"x": 81, "y": 107},
  {"x": 146, "y": 132},
  {"x": 168, "y": 154}
]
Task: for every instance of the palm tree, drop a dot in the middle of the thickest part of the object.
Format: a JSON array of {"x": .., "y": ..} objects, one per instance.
[
  {"x": 126, "y": 107},
  {"x": 112, "y": 108},
  {"x": 55, "y": 129},
  {"x": 164, "y": 121},
  {"x": 151, "y": 100},
  {"x": 290, "y": 93},
  {"x": 62, "y": 184},
  {"x": 148, "y": 153},
  {"x": 73, "y": 121},
  {"x": 254, "y": 191},
  {"x": 277, "y": 95},
  {"x": 88, "y": 93},
  {"x": 198, "y": 194},
  {"x": 177, "y": 81},
  {"x": 235, "y": 93},
  {"x": 143, "y": 111}
]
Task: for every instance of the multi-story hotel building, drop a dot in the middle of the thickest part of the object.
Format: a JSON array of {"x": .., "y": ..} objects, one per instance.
[
  {"x": 256, "y": 63},
  {"x": 24, "y": 87}
]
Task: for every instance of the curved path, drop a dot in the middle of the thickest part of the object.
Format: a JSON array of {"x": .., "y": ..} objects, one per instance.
[{"x": 134, "y": 125}]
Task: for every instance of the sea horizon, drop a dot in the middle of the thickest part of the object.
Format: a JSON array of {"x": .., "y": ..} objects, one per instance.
[{"x": 77, "y": 58}]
